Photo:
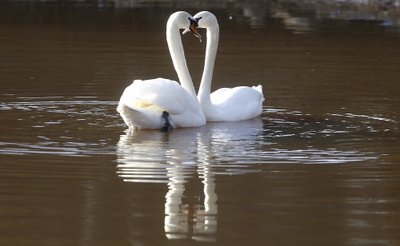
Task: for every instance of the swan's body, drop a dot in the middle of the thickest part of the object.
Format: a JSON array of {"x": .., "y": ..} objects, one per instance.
[
  {"x": 225, "y": 104},
  {"x": 143, "y": 103}
]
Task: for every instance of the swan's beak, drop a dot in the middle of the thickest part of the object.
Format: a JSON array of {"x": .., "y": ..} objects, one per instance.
[{"x": 193, "y": 29}]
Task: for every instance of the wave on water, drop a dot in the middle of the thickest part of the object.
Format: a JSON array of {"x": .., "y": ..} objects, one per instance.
[{"x": 86, "y": 126}]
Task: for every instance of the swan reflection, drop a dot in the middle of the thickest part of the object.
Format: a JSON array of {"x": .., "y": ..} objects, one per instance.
[{"x": 177, "y": 158}]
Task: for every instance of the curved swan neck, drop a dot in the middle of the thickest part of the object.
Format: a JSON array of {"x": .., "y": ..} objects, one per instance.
[
  {"x": 178, "y": 57},
  {"x": 211, "y": 52}
]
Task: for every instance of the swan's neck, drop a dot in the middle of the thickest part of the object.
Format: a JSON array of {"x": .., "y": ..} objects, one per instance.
[
  {"x": 211, "y": 52},
  {"x": 178, "y": 59}
]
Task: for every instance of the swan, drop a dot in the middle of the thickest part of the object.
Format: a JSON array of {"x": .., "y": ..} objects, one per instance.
[
  {"x": 225, "y": 104},
  {"x": 162, "y": 103}
]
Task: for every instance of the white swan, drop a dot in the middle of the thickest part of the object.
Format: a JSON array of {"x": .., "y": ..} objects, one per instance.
[
  {"x": 225, "y": 104},
  {"x": 162, "y": 103}
]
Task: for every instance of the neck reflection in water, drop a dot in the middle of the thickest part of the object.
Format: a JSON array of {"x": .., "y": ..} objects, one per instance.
[
  {"x": 186, "y": 155},
  {"x": 176, "y": 158}
]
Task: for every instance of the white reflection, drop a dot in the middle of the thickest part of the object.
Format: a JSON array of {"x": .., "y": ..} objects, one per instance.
[
  {"x": 175, "y": 158},
  {"x": 299, "y": 25},
  {"x": 256, "y": 13}
]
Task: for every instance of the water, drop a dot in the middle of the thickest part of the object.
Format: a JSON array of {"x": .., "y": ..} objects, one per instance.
[{"x": 319, "y": 167}]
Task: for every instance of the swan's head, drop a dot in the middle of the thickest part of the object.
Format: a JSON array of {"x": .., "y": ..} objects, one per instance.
[
  {"x": 183, "y": 20},
  {"x": 206, "y": 20}
]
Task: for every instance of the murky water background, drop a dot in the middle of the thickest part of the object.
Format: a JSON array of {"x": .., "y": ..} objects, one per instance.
[{"x": 320, "y": 167}]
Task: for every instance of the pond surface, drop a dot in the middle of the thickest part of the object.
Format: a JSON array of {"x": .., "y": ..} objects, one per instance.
[{"x": 321, "y": 166}]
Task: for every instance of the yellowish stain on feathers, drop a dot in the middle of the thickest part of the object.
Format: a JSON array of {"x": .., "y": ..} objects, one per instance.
[{"x": 143, "y": 104}]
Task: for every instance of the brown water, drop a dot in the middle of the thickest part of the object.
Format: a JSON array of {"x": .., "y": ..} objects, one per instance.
[{"x": 320, "y": 167}]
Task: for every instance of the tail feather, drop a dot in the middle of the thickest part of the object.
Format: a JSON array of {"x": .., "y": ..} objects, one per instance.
[{"x": 258, "y": 88}]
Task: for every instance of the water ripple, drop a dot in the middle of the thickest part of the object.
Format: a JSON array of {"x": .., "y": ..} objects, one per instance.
[
  {"x": 58, "y": 126},
  {"x": 234, "y": 147},
  {"x": 86, "y": 126}
]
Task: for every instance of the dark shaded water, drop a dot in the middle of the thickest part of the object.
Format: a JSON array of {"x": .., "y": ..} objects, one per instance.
[{"x": 320, "y": 167}]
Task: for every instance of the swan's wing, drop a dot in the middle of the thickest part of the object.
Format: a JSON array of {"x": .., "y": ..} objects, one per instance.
[
  {"x": 238, "y": 103},
  {"x": 143, "y": 102},
  {"x": 157, "y": 95},
  {"x": 219, "y": 94},
  {"x": 237, "y": 95}
]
